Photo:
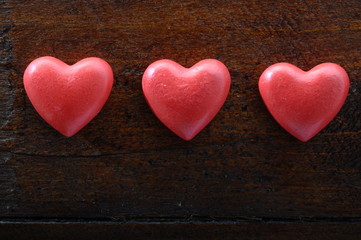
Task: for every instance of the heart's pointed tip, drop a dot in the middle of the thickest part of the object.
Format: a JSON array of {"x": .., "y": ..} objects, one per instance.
[
  {"x": 186, "y": 138},
  {"x": 304, "y": 138},
  {"x": 68, "y": 133}
]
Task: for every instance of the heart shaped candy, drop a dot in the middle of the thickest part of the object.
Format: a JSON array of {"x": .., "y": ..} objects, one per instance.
[
  {"x": 68, "y": 97},
  {"x": 186, "y": 100},
  {"x": 303, "y": 103}
]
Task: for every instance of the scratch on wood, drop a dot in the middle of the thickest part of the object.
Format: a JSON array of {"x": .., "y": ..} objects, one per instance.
[{"x": 6, "y": 59}]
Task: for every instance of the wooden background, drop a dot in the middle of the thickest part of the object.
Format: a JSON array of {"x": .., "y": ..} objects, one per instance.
[{"x": 125, "y": 175}]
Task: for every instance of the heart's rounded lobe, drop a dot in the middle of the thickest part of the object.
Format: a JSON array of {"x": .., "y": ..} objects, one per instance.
[
  {"x": 68, "y": 97},
  {"x": 303, "y": 103},
  {"x": 186, "y": 99}
]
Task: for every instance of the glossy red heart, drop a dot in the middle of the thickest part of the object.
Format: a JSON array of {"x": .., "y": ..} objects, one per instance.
[
  {"x": 186, "y": 100},
  {"x": 68, "y": 97},
  {"x": 303, "y": 103}
]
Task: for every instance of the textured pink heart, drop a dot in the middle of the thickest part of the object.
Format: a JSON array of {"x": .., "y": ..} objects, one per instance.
[
  {"x": 186, "y": 100},
  {"x": 303, "y": 103},
  {"x": 68, "y": 97}
]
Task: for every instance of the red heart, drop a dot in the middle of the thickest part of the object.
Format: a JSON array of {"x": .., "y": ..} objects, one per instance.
[
  {"x": 68, "y": 97},
  {"x": 303, "y": 103},
  {"x": 186, "y": 100}
]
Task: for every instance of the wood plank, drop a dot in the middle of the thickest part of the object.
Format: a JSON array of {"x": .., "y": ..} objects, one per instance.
[
  {"x": 246, "y": 231},
  {"x": 215, "y": 184},
  {"x": 126, "y": 164}
]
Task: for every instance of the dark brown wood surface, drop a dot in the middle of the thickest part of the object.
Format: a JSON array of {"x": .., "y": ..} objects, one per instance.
[{"x": 126, "y": 175}]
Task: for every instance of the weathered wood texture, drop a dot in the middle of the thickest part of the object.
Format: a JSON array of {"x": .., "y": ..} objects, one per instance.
[
  {"x": 125, "y": 164},
  {"x": 199, "y": 231}
]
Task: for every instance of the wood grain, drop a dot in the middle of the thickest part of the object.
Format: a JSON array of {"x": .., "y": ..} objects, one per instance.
[
  {"x": 126, "y": 165},
  {"x": 231, "y": 231}
]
